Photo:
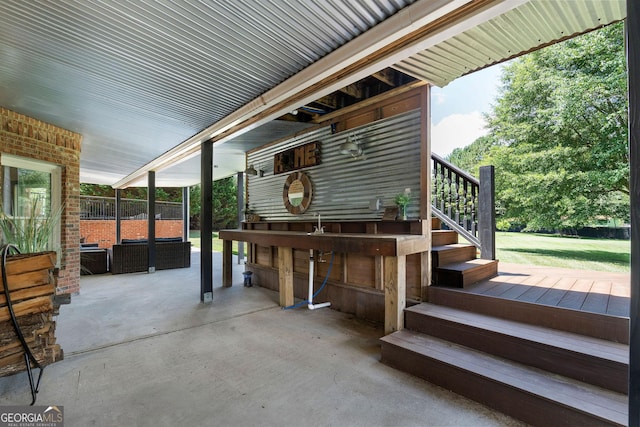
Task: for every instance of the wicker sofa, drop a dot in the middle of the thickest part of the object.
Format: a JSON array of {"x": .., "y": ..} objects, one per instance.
[
  {"x": 93, "y": 260},
  {"x": 132, "y": 256}
]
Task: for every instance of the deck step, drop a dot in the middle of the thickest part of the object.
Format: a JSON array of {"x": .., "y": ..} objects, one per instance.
[
  {"x": 453, "y": 253},
  {"x": 443, "y": 237},
  {"x": 591, "y": 360},
  {"x": 606, "y": 327},
  {"x": 435, "y": 223},
  {"x": 461, "y": 274},
  {"x": 529, "y": 394}
]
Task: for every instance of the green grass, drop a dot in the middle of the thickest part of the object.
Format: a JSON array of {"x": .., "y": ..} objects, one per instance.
[
  {"x": 566, "y": 252},
  {"x": 194, "y": 238}
]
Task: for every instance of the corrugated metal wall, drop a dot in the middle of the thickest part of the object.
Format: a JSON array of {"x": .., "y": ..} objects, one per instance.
[{"x": 343, "y": 187}]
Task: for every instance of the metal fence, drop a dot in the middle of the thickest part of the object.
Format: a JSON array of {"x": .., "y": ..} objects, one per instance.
[{"x": 94, "y": 207}]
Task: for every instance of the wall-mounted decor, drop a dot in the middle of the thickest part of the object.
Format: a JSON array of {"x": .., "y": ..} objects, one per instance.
[
  {"x": 304, "y": 156},
  {"x": 297, "y": 193}
]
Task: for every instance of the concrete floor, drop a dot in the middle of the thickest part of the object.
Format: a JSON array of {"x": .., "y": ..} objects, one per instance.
[{"x": 140, "y": 350}]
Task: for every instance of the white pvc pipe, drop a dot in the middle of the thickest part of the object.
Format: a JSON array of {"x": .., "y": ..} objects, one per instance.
[{"x": 311, "y": 305}]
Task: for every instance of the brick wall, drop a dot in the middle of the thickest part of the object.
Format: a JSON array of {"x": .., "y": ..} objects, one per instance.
[
  {"x": 103, "y": 232},
  {"x": 27, "y": 137}
]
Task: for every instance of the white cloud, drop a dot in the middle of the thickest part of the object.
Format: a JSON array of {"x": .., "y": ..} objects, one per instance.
[{"x": 456, "y": 131}]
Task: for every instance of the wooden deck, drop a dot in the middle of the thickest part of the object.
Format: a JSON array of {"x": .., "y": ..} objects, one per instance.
[{"x": 589, "y": 291}]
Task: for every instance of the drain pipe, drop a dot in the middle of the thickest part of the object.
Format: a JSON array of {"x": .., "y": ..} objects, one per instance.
[{"x": 311, "y": 305}]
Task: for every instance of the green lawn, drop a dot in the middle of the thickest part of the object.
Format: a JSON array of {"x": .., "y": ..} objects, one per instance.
[
  {"x": 194, "y": 238},
  {"x": 566, "y": 252}
]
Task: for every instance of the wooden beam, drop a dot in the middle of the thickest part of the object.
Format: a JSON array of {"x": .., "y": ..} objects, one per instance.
[
  {"x": 395, "y": 293},
  {"x": 354, "y": 90},
  {"x": 385, "y": 76},
  {"x": 285, "y": 276},
  {"x": 337, "y": 115},
  {"x": 330, "y": 101},
  {"x": 361, "y": 243}
]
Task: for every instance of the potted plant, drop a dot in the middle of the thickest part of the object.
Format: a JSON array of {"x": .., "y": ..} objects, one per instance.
[
  {"x": 250, "y": 216},
  {"x": 402, "y": 201},
  {"x": 31, "y": 233}
]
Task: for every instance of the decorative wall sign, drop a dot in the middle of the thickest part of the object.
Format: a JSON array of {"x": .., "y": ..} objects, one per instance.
[
  {"x": 297, "y": 193},
  {"x": 296, "y": 158}
]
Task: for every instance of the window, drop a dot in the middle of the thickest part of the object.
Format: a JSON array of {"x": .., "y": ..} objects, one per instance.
[{"x": 31, "y": 190}]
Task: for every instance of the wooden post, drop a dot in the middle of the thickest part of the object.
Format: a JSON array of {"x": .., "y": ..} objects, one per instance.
[
  {"x": 395, "y": 292},
  {"x": 633, "y": 74},
  {"x": 426, "y": 178},
  {"x": 227, "y": 260},
  {"x": 241, "y": 205},
  {"x": 487, "y": 213},
  {"x": 285, "y": 276}
]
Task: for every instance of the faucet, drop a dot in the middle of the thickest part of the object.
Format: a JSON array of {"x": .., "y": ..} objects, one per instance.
[{"x": 319, "y": 229}]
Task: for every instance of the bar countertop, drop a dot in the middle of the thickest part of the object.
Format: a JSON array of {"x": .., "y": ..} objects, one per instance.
[{"x": 362, "y": 243}]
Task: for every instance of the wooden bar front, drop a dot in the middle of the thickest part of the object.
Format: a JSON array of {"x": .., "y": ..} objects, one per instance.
[{"x": 366, "y": 265}]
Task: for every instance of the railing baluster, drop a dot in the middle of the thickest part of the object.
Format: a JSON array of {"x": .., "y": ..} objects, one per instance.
[{"x": 455, "y": 198}]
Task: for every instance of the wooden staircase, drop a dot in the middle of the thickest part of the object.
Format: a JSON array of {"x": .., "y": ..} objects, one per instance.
[
  {"x": 539, "y": 375},
  {"x": 455, "y": 264}
]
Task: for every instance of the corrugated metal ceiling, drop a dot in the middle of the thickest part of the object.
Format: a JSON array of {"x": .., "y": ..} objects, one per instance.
[
  {"x": 533, "y": 24},
  {"x": 138, "y": 77}
]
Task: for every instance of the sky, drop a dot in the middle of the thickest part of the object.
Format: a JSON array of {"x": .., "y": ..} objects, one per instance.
[{"x": 456, "y": 109}]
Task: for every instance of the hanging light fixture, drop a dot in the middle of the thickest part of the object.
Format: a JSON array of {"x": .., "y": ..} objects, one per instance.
[
  {"x": 351, "y": 147},
  {"x": 251, "y": 170}
]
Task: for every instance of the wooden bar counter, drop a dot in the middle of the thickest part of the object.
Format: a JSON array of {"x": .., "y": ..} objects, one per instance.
[{"x": 391, "y": 249}]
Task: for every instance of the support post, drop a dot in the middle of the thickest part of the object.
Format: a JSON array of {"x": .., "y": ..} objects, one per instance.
[
  {"x": 240, "y": 198},
  {"x": 632, "y": 32},
  {"x": 426, "y": 179},
  {"x": 487, "y": 213},
  {"x": 151, "y": 220},
  {"x": 227, "y": 260},
  {"x": 118, "y": 216},
  {"x": 285, "y": 276},
  {"x": 206, "y": 222},
  {"x": 395, "y": 292},
  {"x": 185, "y": 213}
]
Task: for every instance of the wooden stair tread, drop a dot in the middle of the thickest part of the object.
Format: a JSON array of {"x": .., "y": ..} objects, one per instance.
[
  {"x": 443, "y": 237},
  {"x": 569, "y": 341},
  {"x": 451, "y": 246},
  {"x": 465, "y": 266},
  {"x": 594, "y": 401},
  {"x": 601, "y": 326}
]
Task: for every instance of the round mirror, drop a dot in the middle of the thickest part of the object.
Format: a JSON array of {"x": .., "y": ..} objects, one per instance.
[{"x": 296, "y": 194}]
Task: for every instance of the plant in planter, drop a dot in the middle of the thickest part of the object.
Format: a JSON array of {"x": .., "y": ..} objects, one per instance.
[
  {"x": 250, "y": 216},
  {"x": 30, "y": 233},
  {"x": 402, "y": 200}
]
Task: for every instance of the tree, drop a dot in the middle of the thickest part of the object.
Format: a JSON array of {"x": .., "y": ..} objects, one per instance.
[
  {"x": 163, "y": 194},
  {"x": 225, "y": 204},
  {"x": 558, "y": 134}
]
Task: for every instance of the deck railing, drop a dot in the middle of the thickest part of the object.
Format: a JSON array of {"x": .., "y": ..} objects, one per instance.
[
  {"x": 465, "y": 204},
  {"x": 94, "y": 207}
]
